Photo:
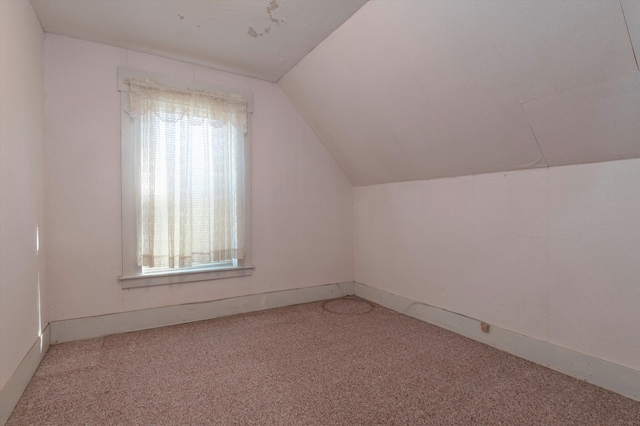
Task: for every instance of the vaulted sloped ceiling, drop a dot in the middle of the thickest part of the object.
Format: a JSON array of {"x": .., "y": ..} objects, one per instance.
[{"x": 407, "y": 90}]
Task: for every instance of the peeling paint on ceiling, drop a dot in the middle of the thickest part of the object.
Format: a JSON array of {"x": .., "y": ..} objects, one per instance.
[
  {"x": 270, "y": 9},
  {"x": 229, "y": 35}
]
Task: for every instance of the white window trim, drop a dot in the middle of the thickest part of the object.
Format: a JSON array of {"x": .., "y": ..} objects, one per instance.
[{"x": 132, "y": 275}]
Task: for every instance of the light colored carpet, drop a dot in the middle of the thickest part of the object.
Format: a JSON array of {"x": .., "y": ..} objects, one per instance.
[{"x": 341, "y": 362}]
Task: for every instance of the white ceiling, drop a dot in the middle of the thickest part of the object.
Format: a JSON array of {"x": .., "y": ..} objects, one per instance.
[
  {"x": 256, "y": 38},
  {"x": 410, "y": 89}
]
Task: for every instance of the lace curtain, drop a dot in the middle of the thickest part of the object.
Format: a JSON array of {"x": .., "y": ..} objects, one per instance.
[
  {"x": 171, "y": 104},
  {"x": 189, "y": 160}
]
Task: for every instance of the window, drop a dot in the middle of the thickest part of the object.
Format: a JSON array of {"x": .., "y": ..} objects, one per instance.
[{"x": 184, "y": 185}]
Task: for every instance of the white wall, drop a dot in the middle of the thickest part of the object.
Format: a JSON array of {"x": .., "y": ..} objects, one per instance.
[
  {"x": 302, "y": 201},
  {"x": 21, "y": 184},
  {"x": 552, "y": 253}
]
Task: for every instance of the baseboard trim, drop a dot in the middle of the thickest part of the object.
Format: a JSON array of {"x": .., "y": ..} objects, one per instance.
[
  {"x": 124, "y": 322},
  {"x": 17, "y": 383},
  {"x": 614, "y": 377}
]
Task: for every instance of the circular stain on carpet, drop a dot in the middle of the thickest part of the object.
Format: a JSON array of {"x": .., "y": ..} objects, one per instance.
[{"x": 347, "y": 306}]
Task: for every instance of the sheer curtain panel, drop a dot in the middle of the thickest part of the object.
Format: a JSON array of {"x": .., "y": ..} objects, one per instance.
[{"x": 189, "y": 159}]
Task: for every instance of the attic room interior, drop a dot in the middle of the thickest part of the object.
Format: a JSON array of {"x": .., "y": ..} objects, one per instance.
[{"x": 319, "y": 212}]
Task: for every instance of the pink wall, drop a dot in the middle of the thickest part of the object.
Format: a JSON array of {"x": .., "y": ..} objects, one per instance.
[
  {"x": 22, "y": 312},
  {"x": 302, "y": 201},
  {"x": 551, "y": 253}
]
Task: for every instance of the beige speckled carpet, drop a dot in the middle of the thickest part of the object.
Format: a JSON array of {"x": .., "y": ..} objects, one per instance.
[{"x": 340, "y": 362}]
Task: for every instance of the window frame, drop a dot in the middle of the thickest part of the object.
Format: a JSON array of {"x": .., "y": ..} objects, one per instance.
[{"x": 132, "y": 275}]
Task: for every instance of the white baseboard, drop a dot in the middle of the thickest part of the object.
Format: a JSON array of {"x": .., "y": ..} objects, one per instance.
[
  {"x": 611, "y": 376},
  {"x": 614, "y": 377},
  {"x": 17, "y": 383},
  {"x": 124, "y": 322}
]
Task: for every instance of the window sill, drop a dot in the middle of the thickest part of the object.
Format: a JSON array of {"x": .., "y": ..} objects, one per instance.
[{"x": 184, "y": 276}]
